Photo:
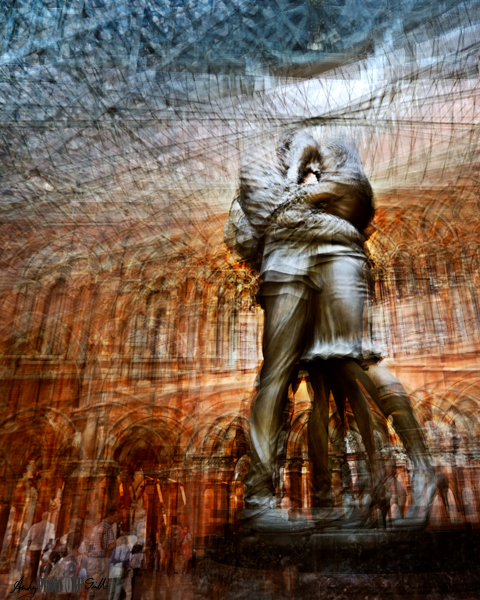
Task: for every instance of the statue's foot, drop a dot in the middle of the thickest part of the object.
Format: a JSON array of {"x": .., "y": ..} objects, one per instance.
[
  {"x": 416, "y": 519},
  {"x": 357, "y": 519},
  {"x": 326, "y": 518},
  {"x": 424, "y": 488},
  {"x": 270, "y": 521}
]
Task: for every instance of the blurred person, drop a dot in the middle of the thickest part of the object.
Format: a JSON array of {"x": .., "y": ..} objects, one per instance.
[
  {"x": 186, "y": 550},
  {"x": 127, "y": 582},
  {"x": 55, "y": 571},
  {"x": 75, "y": 534},
  {"x": 138, "y": 566},
  {"x": 88, "y": 526},
  {"x": 49, "y": 562},
  {"x": 167, "y": 548},
  {"x": 160, "y": 550},
  {"x": 38, "y": 536},
  {"x": 58, "y": 565},
  {"x": 119, "y": 564},
  {"x": 44, "y": 563},
  {"x": 172, "y": 545},
  {"x": 73, "y": 561},
  {"x": 177, "y": 539},
  {"x": 101, "y": 545}
]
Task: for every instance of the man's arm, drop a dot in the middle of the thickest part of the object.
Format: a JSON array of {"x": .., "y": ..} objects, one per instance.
[
  {"x": 239, "y": 236},
  {"x": 262, "y": 190}
]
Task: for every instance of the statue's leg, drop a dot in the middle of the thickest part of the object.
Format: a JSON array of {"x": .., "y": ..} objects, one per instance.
[
  {"x": 392, "y": 400},
  {"x": 346, "y": 371},
  {"x": 338, "y": 330},
  {"x": 317, "y": 430},
  {"x": 285, "y": 323},
  {"x": 341, "y": 375},
  {"x": 322, "y": 511}
]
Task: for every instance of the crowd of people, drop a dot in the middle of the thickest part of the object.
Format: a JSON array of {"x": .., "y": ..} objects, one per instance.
[
  {"x": 174, "y": 550},
  {"x": 105, "y": 555}
]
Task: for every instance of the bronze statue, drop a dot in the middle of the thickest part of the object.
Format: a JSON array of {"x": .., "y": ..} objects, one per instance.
[{"x": 301, "y": 223}]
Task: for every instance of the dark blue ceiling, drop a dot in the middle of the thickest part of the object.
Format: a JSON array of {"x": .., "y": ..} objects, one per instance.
[{"x": 208, "y": 35}]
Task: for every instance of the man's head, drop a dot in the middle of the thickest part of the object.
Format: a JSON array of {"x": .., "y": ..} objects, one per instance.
[
  {"x": 111, "y": 515},
  {"x": 340, "y": 154},
  {"x": 76, "y": 524}
]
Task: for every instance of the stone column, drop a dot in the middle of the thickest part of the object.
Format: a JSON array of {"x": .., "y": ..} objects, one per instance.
[{"x": 293, "y": 483}]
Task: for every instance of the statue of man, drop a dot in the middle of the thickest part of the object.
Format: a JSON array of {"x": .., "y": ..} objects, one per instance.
[{"x": 301, "y": 222}]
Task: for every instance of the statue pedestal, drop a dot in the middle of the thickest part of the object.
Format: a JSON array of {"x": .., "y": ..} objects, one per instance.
[
  {"x": 363, "y": 562},
  {"x": 394, "y": 551}
]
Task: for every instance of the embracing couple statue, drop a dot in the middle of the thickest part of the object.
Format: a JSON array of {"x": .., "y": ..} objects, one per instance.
[{"x": 300, "y": 221}]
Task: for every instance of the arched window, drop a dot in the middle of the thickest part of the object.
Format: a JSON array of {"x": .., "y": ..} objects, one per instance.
[
  {"x": 159, "y": 346},
  {"x": 220, "y": 325},
  {"x": 52, "y": 335},
  {"x": 138, "y": 335}
]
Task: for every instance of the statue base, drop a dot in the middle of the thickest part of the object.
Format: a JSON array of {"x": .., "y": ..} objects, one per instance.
[{"x": 373, "y": 563}]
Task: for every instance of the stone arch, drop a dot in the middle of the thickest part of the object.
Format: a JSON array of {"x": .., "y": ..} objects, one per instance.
[
  {"x": 296, "y": 442},
  {"x": 62, "y": 253},
  {"x": 163, "y": 427},
  {"x": 226, "y": 436},
  {"x": 59, "y": 281},
  {"x": 30, "y": 420},
  {"x": 34, "y": 438},
  {"x": 147, "y": 445}
]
